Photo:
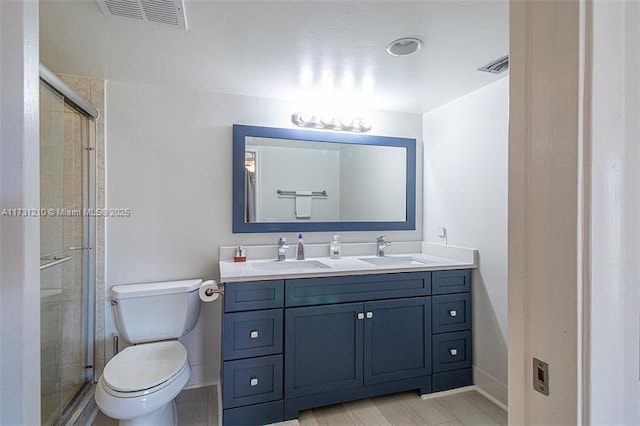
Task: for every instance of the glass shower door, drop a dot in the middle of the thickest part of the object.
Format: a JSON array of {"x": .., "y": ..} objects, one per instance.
[{"x": 63, "y": 247}]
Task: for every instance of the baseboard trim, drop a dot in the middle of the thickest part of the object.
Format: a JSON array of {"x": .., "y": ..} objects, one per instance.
[
  {"x": 491, "y": 387},
  {"x": 201, "y": 385},
  {"x": 491, "y": 398},
  {"x": 465, "y": 389},
  {"x": 447, "y": 392}
]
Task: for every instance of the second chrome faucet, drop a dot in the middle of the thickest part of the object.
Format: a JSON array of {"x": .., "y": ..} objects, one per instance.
[
  {"x": 282, "y": 248},
  {"x": 381, "y": 243}
]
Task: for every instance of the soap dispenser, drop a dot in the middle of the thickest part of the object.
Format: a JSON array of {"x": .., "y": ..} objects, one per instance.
[
  {"x": 300, "y": 248},
  {"x": 334, "y": 247}
]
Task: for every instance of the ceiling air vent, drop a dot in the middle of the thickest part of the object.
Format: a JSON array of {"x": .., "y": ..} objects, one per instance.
[
  {"x": 497, "y": 66},
  {"x": 166, "y": 12}
]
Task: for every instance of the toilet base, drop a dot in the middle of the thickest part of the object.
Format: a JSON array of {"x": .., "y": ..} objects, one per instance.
[{"x": 167, "y": 415}]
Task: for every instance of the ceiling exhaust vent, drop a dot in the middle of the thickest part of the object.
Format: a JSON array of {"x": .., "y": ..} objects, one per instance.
[
  {"x": 497, "y": 66},
  {"x": 166, "y": 12}
]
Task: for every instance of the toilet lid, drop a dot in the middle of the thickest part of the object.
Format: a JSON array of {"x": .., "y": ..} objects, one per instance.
[{"x": 144, "y": 366}]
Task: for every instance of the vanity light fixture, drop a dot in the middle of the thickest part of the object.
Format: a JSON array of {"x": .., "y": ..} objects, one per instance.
[
  {"x": 404, "y": 46},
  {"x": 343, "y": 124}
]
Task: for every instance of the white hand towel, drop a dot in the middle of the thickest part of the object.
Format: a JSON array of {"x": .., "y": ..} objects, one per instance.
[{"x": 303, "y": 204}]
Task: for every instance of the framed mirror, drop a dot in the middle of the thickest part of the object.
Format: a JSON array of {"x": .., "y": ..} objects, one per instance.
[{"x": 289, "y": 180}]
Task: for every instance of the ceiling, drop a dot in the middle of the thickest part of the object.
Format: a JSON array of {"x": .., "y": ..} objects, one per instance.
[{"x": 319, "y": 54}]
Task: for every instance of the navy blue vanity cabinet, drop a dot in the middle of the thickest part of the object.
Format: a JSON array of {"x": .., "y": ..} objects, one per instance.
[
  {"x": 252, "y": 343},
  {"x": 451, "y": 341},
  {"x": 295, "y": 344}
]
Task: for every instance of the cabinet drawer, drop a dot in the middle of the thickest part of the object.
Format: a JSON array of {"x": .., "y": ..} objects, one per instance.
[
  {"x": 252, "y": 295},
  {"x": 322, "y": 291},
  {"x": 458, "y": 281},
  {"x": 451, "y": 351},
  {"x": 252, "y": 381},
  {"x": 451, "y": 312},
  {"x": 249, "y": 334},
  {"x": 254, "y": 415}
]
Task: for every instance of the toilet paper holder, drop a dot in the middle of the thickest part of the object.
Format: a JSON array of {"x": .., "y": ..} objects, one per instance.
[{"x": 210, "y": 291}]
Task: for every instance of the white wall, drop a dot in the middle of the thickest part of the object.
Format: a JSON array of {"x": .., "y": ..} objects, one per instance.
[
  {"x": 465, "y": 157},
  {"x": 615, "y": 271},
  {"x": 169, "y": 161},
  {"x": 20, "y": 242}
]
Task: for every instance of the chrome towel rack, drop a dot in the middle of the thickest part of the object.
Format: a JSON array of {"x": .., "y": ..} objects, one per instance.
[{"x": 293, "y": 193}]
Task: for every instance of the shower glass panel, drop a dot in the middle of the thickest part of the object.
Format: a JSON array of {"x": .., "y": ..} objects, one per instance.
[{"x": 64, "y": 298}]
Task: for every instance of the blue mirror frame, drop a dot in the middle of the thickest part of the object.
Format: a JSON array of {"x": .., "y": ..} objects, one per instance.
[{"x": 240, "y": 132}]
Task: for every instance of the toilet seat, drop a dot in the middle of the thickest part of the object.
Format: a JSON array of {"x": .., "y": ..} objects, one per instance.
[{"x": 144, "y": 369}]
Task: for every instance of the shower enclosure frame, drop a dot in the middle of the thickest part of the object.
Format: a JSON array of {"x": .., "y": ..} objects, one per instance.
[{"x": 89, "y": 192}]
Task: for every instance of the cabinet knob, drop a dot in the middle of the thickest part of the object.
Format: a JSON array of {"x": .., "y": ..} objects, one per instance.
[
  {"x": 369, "y": 314},
  {"x": 453, "y": 313},
  {"x": 453, "y": 352},
  {"x": 254, "y": 334},
  {"x": 360, "y": 315},
  {"x": 253, "y": 382}
]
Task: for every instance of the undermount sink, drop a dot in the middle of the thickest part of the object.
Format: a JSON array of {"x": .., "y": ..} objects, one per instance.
[
  {"x": 291, "y": 265},
  {"x": 395, "y": 260}
]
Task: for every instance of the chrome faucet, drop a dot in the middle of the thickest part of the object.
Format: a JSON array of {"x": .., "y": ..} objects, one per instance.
[
  {"x": 382, "y": 242},
  {"x": 282, "y": 248}
]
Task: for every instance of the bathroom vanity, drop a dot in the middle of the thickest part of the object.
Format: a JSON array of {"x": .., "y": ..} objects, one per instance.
[{"x": 306, "y": 336}]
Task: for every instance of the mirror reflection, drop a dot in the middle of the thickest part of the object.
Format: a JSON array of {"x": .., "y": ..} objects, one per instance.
[
  {"x": 298, "y": 180},
  {"x": 307, "y": 180}
]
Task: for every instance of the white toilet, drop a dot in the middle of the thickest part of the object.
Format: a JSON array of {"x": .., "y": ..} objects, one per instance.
[{"x": 139, "y": 385}]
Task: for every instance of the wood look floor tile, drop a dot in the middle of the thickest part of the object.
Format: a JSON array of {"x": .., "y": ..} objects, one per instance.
[
  {"x": 396, "y": 412},
  {"x": 430, "y": 410},
  {"x": 480, "y": 401},
  {"x": 199, "y": 407},
  {"x": 451, "y": 423},
  {"x": 307, "y": 418},
  {"x": 365, "y": 412},
  {"x": 104, "y": 420},
  {"x": 332, "y": 415},
  {"x": 465, "y": 411},
  {"x": 500, "y": 416}
]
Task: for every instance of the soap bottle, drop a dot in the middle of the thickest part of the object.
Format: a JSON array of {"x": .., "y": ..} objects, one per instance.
[
  {"x": 334, "y": 247},
  {"x": 300, "y": 248}
]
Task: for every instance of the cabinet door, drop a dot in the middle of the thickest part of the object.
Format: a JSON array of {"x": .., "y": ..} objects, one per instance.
[
  {"x": 323, "y": 349},
  {"x": 397, "y": 339}
]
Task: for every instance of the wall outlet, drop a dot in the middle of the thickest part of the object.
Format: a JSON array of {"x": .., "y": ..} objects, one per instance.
[
  {"x": 441, "y": 234},
  {"x": 541, "y": 376}
]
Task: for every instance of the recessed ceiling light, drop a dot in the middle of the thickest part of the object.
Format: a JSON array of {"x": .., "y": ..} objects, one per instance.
[{"x": 404, "y": 46}]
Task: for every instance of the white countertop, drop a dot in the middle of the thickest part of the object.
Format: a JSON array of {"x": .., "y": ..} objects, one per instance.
[{"x": 263, "y": 266}]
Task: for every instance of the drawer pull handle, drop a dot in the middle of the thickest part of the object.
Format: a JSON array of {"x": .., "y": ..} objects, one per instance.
[
  {"x": 369, "y": 314},
  {"x": 253, "y": 382},
  {"x": 453, "y": 352},
  {"x": 254, "y": 334},
  {"x": 360, "y": 315},
  {"x": 453, "y": 313}
]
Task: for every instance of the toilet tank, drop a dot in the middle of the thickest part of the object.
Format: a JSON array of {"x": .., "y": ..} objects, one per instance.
[{"x": 149, "y": 312}]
